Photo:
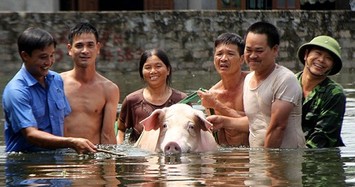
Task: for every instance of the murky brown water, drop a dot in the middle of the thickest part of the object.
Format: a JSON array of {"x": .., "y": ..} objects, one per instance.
[{"x": 225, "y": 167}]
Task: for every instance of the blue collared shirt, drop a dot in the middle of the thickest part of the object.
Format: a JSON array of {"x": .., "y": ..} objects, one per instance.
[{"x": 28, "y": 104}]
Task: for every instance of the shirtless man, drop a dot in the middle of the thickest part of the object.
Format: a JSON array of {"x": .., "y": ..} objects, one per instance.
[
  {"x": 226, "y": 96},
  {"x": 92, "y": 97}
]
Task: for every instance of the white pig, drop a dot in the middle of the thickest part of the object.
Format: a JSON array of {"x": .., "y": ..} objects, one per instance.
[{"x": 177, "y": 129}]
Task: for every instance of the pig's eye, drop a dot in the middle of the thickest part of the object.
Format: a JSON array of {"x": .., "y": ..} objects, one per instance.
[
  {"x": 190, "y": 126},
  {"x": 165, "y": 125}
]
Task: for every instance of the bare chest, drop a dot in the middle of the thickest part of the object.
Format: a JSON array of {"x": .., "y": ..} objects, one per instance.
[
  {"x": 232, "y": 99},
  {"x": 87, "y": 99}
]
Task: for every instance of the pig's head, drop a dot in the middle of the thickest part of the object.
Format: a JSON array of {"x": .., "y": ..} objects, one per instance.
[{"x": 177, "y": 129}]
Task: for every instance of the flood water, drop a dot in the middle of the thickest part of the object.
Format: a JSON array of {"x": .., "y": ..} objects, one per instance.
[{"x": 225, "y": 167}]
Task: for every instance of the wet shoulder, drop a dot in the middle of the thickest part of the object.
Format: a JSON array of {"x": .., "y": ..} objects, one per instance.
[
  {"x": 134, "y": 97},
  {"x": 53, "y": 73},
  {"x": 66, "y": 73},
  {"x": 67, "y": 76},
  {"x": 106, "y": 83},
  {"x": 56, "y": 76},
  {"x": 177, "y": 95},
  {"x": 216, "y": 86},
  {"x": 282, "y": 73},
  {"x": 244, "y": 74},
  {"x": 332, "y": 87}
]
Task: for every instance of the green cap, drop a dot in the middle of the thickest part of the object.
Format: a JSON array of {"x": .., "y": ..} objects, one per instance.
[{"x": 328, "y": 43}]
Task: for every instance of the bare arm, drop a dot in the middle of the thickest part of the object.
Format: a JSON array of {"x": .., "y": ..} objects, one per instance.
[
  {"x": 50, "y": 141},
  {"x": 241, "y": 123},
  {"x": 109, "y": 118},
  {"x": 280, "y": 112},
  {"x": 209, "y": 101},
  {"x": 121, "y": 132}
]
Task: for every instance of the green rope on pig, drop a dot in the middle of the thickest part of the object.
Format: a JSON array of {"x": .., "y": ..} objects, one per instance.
[
  {"x": 116, "y": 128},
  {"x": 191, "y": 97},
  {"x": 215, "y": 133}
]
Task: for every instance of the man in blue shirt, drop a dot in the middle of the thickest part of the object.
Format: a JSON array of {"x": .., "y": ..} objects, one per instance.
[{"x": 34, "y": 102}]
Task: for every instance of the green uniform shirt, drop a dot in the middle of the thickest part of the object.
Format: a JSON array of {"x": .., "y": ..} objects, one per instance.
[{"x": 322, "y": 114}]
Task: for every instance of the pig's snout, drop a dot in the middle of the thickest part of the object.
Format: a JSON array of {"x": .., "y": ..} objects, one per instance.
[{"x": 172, "y": 148}]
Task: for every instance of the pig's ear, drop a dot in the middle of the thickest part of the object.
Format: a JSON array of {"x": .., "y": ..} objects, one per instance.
[
  {"x": 208, "y": 143},
  {"x": 148, "y": 140},
  {"x": 206, "y": 125},
  {"x": 152, "y": 121}
]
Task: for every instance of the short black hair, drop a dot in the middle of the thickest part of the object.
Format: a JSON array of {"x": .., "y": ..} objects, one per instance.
[
  {"x": 34, "y": 38},
  {"x": 161, "y": 55},
  {"x": 231, "y": 38},
  {"x": 81, "y": 28},
  {"x": 262, "y": 27}
]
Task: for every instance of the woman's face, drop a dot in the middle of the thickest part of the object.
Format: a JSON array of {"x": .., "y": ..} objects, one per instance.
[{"x": 155, "y": 72}]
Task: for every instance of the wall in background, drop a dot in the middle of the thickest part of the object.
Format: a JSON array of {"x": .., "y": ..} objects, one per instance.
[{"x": 187, "y": 36}]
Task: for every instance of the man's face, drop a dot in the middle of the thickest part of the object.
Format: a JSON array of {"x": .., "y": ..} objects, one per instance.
[
  {"x": 39, "y": 62},
  {"x": 318, "y": 61},
  {"x": 257, "y": 54},
  {"x": 84, "y": 49},
  {"x": 227, "y": 59}
]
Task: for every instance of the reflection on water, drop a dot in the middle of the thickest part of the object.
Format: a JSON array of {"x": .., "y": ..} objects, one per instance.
[{"x": 225, "y": 167}]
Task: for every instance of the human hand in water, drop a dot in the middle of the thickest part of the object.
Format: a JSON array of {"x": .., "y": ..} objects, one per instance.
[{"x": 82, "y": 145}]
